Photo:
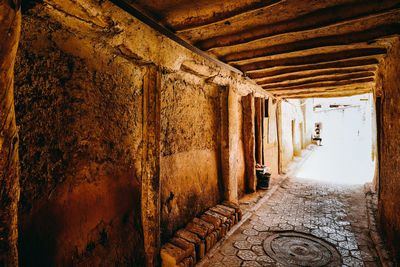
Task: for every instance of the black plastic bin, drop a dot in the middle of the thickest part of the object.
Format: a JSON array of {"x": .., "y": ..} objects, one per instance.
[{"x": 262, "y": 179}]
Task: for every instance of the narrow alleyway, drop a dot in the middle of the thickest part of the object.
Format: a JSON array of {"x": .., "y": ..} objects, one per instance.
[
  {"x": 346, "y": 154},
  {"x": 143, "y": 133},
  {"x": 318, "y": 216},
  {"x": 331, "y": 213}
]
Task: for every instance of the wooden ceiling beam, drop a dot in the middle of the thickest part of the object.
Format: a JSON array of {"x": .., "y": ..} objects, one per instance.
[
  {"x": 323, "y": 84},
  {"x": 345, "y": 93},
  {"x": 201, "y": 13},
  {"x": 311, "y": 59},
  {"x": 324, "y": 78},
  {"x": 316, "y": 42},
  {"x": 284, "y": 10},
  {"x": 356, "y": 62},
  {"x": 324, "y": 90},
  {"x": 312, "y": 73},
  {"x": 316, "y": 19},
  {"x": 382, "y": 43}
]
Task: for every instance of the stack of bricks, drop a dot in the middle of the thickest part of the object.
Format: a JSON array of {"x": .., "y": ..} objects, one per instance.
[{"x": 189, "y": 245}]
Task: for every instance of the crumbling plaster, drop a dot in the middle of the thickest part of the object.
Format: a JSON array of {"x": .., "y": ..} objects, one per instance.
[
  {"x": 291, "y": 114},
  {"x": 79, "y": 77}
]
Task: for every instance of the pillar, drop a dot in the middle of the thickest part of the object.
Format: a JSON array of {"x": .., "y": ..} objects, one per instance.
[
  {"x": 10, "y": 26},
  {"x": 259, "y": 132},
  {"x": 249, "y": 141},
  {"x": 150, "y": 195},
  {"x": 228, "y": 108}
]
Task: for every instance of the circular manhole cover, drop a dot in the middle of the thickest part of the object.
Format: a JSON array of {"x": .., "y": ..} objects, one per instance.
[{"x": 298, "y": 249}]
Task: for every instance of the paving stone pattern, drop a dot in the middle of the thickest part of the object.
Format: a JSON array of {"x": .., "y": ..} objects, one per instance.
[{"x": 336, "y": 214}]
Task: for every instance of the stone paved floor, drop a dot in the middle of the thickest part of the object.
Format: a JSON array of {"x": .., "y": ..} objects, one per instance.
[{"x": 335, "y": 213}]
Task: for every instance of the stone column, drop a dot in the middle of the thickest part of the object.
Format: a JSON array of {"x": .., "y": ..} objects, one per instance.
[
  {"x": 10, "y": 26},
  {"x": 151, "y": 166}
]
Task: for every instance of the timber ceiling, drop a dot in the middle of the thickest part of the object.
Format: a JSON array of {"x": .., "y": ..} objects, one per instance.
[{"x": 292, "y": 48}]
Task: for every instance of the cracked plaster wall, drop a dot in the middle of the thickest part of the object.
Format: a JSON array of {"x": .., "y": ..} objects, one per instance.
[
  {"x": 271, "y": 139},
  {"x": 290, "y": 143},
  {"x": 189, "y": 151},
  {"x": 80, "y": 130},
  {"x": 78, "y": 94}
]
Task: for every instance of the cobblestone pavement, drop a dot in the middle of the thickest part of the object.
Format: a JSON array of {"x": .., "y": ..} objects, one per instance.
[{"x": 336, "y": 214}]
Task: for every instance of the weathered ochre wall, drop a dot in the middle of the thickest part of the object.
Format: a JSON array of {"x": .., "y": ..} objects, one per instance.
[
  {"x": 271, "y": 139},
  {"x": 80, "y": 129},
  {"x": 79, "y": 86},
  {"x": 389, "y": 175},
  {"x": 236, "y": 156},
  {"x": 189, "y": 147},
  {"x": 308, "y": 113},
  {"x": 290, "y": 143},
  {"x": 374, "y": 152}
]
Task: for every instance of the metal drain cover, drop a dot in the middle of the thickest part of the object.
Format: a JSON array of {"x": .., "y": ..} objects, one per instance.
[{"x": 299, "y": 249}]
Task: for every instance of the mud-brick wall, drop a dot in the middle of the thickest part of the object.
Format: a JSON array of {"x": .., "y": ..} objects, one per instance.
[
  {"x": 271, "y": 138},
  {"x": 80, "y": 127},
  {"x": 79, "y": 83},
  {"x": 308, "y": 112},
  {"x": 290, "y": 132},
  {"x": 190, "y": 167},
  {"x": 389, "y": 176},
  {"x": 236, "y": 147}
]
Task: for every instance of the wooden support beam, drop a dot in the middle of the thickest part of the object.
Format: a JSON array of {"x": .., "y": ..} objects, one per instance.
[
  {"x": 281, "y": 11},
  {"x": 230, "y": 185},
  {"x": 322, "y": 84},
  {"x": 312, "y": 59},
  {"x": 258, "y": 128},
  {"x": 313, "y": 73},
  {"x": 328, "y": 94},
  {"x": 191, "y": 15},
  {"x": 268, "y": 72},
  {"x": 150, "y": 195},
  {"x": 319, "y": 50},
  {"x": 325, "y": 78},
  {"x": 325, "y": 88},
  {"x": 311, "y": 42},
  {"x": 315, "y": 19},
  {"x": 10, "y": 27},
  {"x": 249, "y": 142}
]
